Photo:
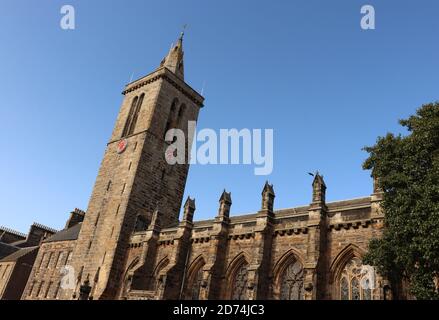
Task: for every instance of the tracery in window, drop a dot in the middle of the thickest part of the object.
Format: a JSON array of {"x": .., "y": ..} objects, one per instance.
[
  {"x": 292, "y": 282},
  {"x": 196, "y": 285},
  {"x": 353, "y": 285},
  {"x": 239, "y": 291},
  {"x": 355, "y": 288},
  {"x": 344, "y": 289}
]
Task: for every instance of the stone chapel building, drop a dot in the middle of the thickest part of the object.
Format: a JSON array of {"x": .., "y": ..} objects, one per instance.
[{"x": 130, "y": 244}]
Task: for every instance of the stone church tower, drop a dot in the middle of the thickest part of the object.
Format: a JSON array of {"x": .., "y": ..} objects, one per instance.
[{"x": 134, "y": 178}]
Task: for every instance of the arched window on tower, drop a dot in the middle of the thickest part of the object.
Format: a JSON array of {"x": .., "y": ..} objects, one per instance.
[
  {"x": 171, "y": 122},
  {"x": 136, "y": 114},
  {"x": 130, "y": 117},
  {"x": 181, "y": 113},
  {"x": 133, "y": 115},
  {"x": 141, "y": 224}
]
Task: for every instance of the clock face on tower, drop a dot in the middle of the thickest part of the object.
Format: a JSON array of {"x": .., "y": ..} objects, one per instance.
[{"x": 122, "y": 145}]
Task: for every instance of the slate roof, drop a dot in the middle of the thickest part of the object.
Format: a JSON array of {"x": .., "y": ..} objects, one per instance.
[
  {"x": 66, "y": 234},
  {"x": 18, "y": 254},
  {"x": 19, "y": 242},
  {"x": 7, "y": 249}
]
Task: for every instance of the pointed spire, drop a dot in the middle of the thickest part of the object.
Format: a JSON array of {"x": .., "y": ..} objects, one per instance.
[
  {"x": 174, "y": 60},
  {"x": 268, "y": 197},
  {"x": 189, "y": 209}
]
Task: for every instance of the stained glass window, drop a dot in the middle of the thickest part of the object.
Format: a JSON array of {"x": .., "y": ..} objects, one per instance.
[
  {"x": 355, "y": 289},
  {"x": 353, "y": 283},
  {"x": 344, "y": 289},
  {"x": 240, "y": 284},
  {"x": 292, "y": 282}
]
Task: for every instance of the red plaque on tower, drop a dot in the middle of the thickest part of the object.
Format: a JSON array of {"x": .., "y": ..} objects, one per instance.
[{"x": 122, "y": 145}]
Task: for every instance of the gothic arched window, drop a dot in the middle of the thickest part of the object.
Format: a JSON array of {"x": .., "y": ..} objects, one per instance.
[
  {"x": 344, "y": 289},
  {"x": 157, "y": 281},
  {"x": 130, "y": 117},
  {"x": 292, "y": 282},
  {"x": 170, "y": 124},
  {"x": 239, "y": 284},
  {"x": 141, "y": 224},
  {"x": 133, "y": 115},
  {"x": 353, "y": 285},
  {"x": 136, "y": 114},
  {"x": 196, "y": 285},
  {"x": 181, "y": 112}
]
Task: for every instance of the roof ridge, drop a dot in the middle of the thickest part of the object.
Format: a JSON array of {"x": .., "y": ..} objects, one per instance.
[
  {"x": 14, "y": 232},
  {"x": 42, "y": 226},
  {"x": 357, "y": 198}
]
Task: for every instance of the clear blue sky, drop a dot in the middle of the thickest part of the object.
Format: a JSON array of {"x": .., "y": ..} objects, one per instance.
[{"x": 304, "y": 68}]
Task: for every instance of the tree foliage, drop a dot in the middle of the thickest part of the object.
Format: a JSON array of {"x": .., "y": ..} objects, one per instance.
[{"x": 407, "y": 168}]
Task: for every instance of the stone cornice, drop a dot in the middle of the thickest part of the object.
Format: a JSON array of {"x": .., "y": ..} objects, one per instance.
[
  {"x": 364, "y": 223},
  {"x": 290, "y": 231},
  {"x": 166, "y": 74}
]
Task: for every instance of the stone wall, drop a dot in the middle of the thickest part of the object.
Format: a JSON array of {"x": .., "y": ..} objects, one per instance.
[
  {"x": 47, "y": 272},
  {"x": 321, "y": 237}
]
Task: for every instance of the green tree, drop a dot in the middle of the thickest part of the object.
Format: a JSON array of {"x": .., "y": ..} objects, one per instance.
[{"x": 407, "y": 169}]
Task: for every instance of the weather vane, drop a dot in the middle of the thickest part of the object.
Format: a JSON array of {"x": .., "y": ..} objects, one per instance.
[{"x": 184, "y": 29}]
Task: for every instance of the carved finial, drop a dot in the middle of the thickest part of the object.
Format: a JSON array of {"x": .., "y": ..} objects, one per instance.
[
  {"x": 225, "y": 203},
  {"x": 319, "y": 188},
  {"x": 189, "y": 209},
  {"x": 268, "y": 188},
  {"x": 268, "y": 197},
  {"x": 226, "y": 197}
]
